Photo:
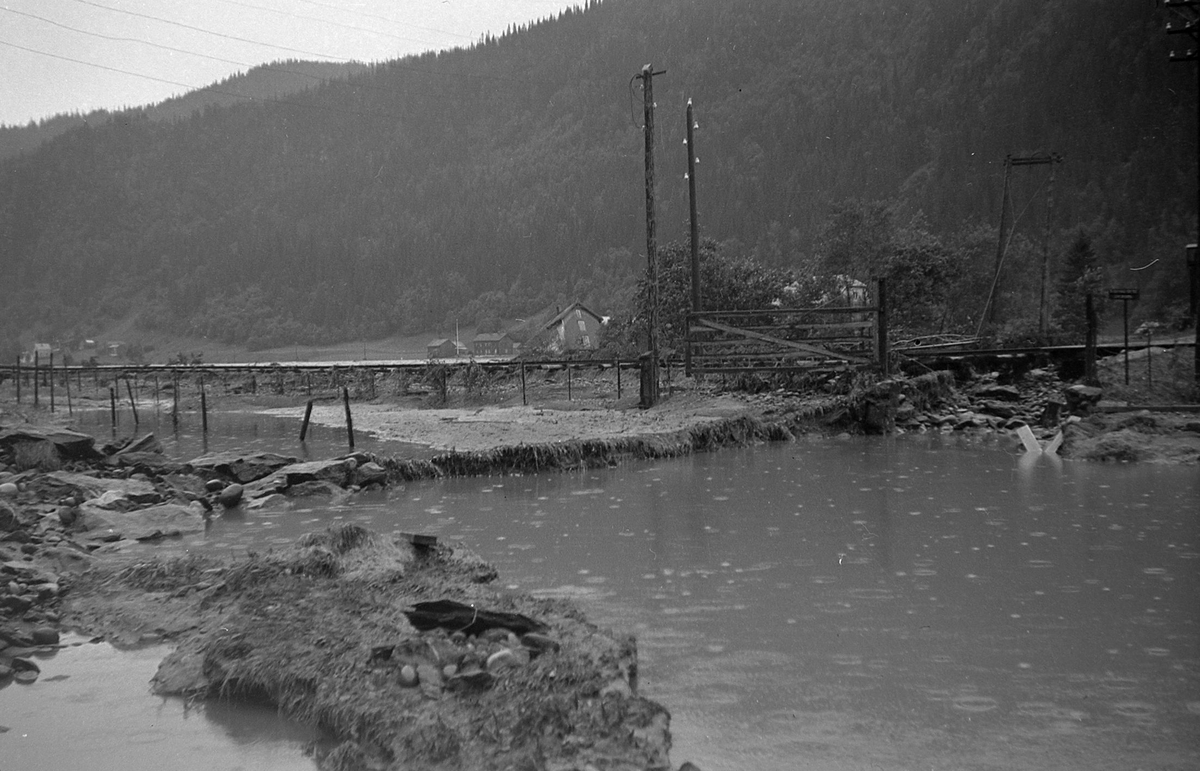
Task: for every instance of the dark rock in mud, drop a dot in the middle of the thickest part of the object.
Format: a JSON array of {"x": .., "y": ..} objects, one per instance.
[
  {"x": 230, "y": 496},
  {"x": 241, "y": 467},
  {"x": 168, "y": 519},
  {"x": 995, "y": 391},
  {"x": 68, "y": 444},
  {"x": 136, "y": 491}
]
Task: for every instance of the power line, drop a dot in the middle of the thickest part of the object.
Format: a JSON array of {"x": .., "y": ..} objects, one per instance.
[
  {"x": 324, "y": 21},
  {"x": 98, "y": 66},
  {"x": 211, "y": 32},
  {"x": 385, "y": 18},
  {"x": 211, "y": 89},
  {"x": 272, "y": 67}
]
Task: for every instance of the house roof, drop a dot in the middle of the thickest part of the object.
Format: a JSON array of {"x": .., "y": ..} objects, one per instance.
[
  {"x": 567, "y": 311},
  {"x": 437, "y": 343},
  {"x": 491, "y": 337}
]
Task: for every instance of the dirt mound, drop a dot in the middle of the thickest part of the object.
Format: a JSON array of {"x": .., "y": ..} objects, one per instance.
[{"x": 322, "y": 630}]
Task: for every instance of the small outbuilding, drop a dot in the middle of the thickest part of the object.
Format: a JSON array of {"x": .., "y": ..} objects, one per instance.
[
  {"x": 493, "y": 344},
  {"x": 444, "y": 348}
]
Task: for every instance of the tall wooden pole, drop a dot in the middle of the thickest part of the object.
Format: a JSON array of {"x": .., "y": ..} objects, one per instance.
[
  {"x": 650, "y": 374},
  {"x": 695, "y": 233},
  {"x": 1188, "y": 23},
  {"x": 695, "y": 224}
]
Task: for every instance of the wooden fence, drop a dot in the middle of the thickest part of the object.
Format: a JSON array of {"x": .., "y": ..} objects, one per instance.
[{"x": 789, "y": 339}]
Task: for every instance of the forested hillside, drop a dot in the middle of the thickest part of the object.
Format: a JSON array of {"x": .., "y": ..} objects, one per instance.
[
  {"x": 489, "y": 182},
  {"x": 270, "y": 82}
]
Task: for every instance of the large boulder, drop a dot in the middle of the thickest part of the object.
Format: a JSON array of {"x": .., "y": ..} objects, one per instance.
[
  {"x": 241, "y": 467},
  {"x": 136, "y": 491},
  {"x": 155, "y": 522},
  {"x": 70, "y": 445}
]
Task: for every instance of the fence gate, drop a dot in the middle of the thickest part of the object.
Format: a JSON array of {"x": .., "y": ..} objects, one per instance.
[{"x": 789, "y": 339}]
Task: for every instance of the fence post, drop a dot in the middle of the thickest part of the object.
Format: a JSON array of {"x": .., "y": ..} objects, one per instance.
[
  {"x": 51, "y": 370},
  {"x": 18, "y": 379},
  {"x": 617, "y": 365},
  {"x": 307, "y": 416},
  {"x": 524, "y": 398},
  {"x": 349, "y": 420},
  {"x": 568, "y": 382},
  {"x": 203, "y": 408},
  {"x": 35, "y": 378},
  {"x": 1089, "y": 343},
  {"x": 112, "y": 406}
]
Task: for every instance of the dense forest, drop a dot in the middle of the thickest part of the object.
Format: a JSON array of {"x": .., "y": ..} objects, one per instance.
[{"x": 835, "y": 136}]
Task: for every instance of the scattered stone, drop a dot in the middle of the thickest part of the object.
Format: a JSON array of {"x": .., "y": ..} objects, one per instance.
[
  {"x": 231, "y": 496},
  {"x": 1001, "y": 392},
  {"x": 67, "y": 515},
  {"x": 539, "y": 643},
  {"x": 503, "y": 659},
  {"x": 9, "y": 489},
  {"x": 214, "y": 485},
  {"x": 430, "y": 679},
  {"x": 44, "y": 635},
  {"x": 8, "y": 518},
  {"x": 408, "y": 675}
]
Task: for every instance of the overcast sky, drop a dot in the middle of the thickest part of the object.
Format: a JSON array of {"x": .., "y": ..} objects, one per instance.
[{"x": 61, "y": 56}]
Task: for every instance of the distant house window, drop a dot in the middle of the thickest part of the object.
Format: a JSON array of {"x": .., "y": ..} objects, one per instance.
[
  {"x": 582, "y": 325},
  {"x": 587, "y": 340}
]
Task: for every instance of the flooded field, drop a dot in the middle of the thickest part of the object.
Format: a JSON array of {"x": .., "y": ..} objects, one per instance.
[{"x": 902, "y": 603}]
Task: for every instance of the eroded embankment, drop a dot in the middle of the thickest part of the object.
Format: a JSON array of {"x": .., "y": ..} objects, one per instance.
[
  {"x": 321, "y": 630},
  {"x": 596, "y": 453}
]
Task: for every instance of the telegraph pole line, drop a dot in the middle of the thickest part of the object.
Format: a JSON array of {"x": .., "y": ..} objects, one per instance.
[
  {"x": 1188, "y": 23},
  {"x": 650, "y": 372}
]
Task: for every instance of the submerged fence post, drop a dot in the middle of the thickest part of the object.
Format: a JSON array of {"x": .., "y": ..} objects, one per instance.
[
  {"x": 307, "y": 417},
  {"x": 203, "y": 408},
  {"x": 35, "y": 378},
  {"x": 568, "y": 382},
  {"x": 349, "y": 419},
  {"x": 175, "y": 402},
  {"x": 67, "y": 382},
  {"x": 524, "y": 399},
  {"x": 112, "y": 406},
  {"x": 52, "y": 381},
  {"x": 132, "y": 401},
  {"x": 617, "y": 366},
  {"x": 17, "y": 378}
]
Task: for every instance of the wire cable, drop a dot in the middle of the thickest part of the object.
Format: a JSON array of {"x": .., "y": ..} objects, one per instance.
[{"x": 211, "y": 32}]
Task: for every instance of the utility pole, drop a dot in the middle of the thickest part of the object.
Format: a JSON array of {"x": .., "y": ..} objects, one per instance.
[
  {"x": 695, "y": 229},
  {"x": 650, "y": 370},
  {"x": 690, "y": 142},
  {"x": 1188, "y": 23},
  {"x": 991, "y": 313}
]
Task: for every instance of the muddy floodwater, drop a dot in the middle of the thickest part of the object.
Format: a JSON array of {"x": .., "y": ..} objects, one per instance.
[{"x": 860, "y": 603}]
